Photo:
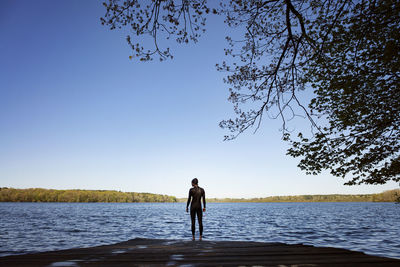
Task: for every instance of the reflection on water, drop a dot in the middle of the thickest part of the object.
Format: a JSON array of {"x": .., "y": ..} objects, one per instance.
[{"x": 373, "y": 228}]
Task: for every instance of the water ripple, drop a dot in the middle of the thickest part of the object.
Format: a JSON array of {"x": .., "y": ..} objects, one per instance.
[{"x": 372, "y": 228}]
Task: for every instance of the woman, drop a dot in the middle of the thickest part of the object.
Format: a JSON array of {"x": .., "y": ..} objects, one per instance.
[{"x": 195, "y": 195}]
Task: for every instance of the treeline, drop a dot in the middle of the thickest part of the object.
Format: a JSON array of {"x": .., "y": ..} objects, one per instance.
[
  {"x": 386, "y": 196},
  {"x": 52, "y": 195}
]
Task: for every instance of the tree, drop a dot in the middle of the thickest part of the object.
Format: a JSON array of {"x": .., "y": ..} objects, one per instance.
[
  {"x": 357, "y": 86},
  {"x": 347, "y": 51}
]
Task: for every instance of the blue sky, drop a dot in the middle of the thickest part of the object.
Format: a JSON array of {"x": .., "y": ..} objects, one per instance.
[{"x": 77, "y": 113}]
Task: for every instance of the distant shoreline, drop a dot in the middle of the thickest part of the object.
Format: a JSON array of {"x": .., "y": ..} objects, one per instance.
[
  {"x": 78, "y": 195},
  {"x": 386, "y": 196},
  {"x": 112, "y": 196}
]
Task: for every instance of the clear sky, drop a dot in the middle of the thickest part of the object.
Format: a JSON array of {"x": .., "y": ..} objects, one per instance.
[{"x": 76, "y": 113}]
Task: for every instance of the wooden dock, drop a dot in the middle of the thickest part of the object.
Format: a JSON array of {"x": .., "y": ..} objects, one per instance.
[{"x": 157, "y": 252}]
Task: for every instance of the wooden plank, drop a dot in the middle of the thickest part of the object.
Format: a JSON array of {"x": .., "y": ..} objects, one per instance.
[{"x": 153, "y": 252}]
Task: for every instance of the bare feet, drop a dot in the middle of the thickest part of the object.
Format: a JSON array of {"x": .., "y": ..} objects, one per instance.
[
  {"x": 200, "y": 238},
  {"x": 194, "y": 238}
]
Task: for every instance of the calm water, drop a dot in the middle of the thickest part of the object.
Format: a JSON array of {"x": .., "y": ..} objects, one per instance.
[{"x": 373, "y": 228}]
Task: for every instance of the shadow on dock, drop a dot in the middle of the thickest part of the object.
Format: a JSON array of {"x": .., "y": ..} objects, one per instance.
[{"x": 158, "y": 252}]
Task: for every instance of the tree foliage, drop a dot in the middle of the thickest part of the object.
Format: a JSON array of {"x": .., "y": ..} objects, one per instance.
[
  {"x": 347, "y": 52},
  {"x": 182, "y": 20},
  {"x": 51, "y": 195}
]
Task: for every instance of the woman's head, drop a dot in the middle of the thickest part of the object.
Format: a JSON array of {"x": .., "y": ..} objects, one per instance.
[{"x": 195, "y": 182}]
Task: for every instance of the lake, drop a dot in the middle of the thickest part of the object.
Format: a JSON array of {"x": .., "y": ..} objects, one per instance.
[{"x": 373, "y": 228}]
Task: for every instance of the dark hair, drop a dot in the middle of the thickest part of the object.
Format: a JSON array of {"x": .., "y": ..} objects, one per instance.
[{"x": 195, "y": 181}]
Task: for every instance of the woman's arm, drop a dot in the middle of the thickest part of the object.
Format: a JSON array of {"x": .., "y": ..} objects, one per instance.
[
  {"x": 188, "y": 201},
  {"x": 203, "y": 194}
]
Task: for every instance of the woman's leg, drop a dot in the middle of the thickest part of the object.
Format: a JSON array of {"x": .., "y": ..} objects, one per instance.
[
  {"x": 193, "y": 216},
  {"x": 200, "y": 219}
]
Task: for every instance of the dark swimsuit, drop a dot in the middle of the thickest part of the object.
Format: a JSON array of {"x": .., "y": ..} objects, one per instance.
[{"x": 195, "y": 194}]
